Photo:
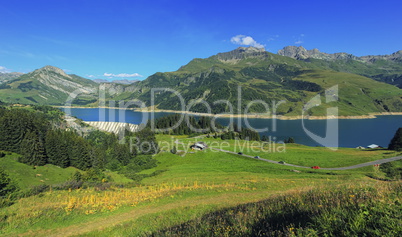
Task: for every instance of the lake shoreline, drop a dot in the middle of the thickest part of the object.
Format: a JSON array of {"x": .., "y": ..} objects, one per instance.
[{"x": 258, "y": 116}]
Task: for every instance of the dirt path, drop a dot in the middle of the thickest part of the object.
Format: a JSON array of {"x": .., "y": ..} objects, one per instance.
[{"x": 100, "y": 224}]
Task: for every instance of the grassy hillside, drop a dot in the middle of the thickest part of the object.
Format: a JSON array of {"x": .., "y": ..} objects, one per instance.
[
  {"x": 358, "y": 95},
  {"x": 48, "y": 85},
  {"x": 368, "y": 210},
  {"x": 26, "y": 176},
  {"x": 269, "y": 78},
  {"x": 186, "y": 188}
]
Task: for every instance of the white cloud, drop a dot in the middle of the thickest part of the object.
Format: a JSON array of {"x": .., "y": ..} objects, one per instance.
[
  {"x": 91, "y": 76},
  {"x": 300, "y": 39},
  {"x": 4, "y": 69},
  {"x": 245, "y": 40},
  {"x": 110, "y": 75}
]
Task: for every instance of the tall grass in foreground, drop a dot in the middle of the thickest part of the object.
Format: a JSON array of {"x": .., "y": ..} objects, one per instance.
[
  {"x": 348, "y": 211},
  {"x": 53, "y": 208}
]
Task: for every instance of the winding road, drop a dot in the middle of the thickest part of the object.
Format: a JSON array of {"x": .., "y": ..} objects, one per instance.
[{"x": 376, "y": 162}]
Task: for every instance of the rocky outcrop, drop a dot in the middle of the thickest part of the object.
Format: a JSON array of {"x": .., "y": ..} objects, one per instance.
[
  {"x": 5, "y": 77},
  {"x": 241, "y": 53},
  {"x": 300, "y": 53},
  {"x": 115, "y": 89},
  {"x": 397, "y": 57}
]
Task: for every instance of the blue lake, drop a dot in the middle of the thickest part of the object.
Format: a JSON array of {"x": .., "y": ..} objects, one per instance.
[{"x": 351, "y": 132}]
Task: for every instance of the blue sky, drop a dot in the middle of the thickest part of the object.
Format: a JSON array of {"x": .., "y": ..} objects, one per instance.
[{"x": 134, "y": 39}]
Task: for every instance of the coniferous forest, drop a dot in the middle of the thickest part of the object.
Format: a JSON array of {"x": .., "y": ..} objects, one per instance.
[
  {"x": 40, "y": 136},
  {"x": 192, "y": 125}
]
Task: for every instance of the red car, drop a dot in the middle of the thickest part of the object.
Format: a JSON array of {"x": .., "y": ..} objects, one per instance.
[{"x": 315, "y": 167}]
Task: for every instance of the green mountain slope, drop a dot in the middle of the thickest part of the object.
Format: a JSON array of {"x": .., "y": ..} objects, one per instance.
[
  {"x": 48, "y": 85},
  {"x": 385, "y": 68},
  {"x": 250, "y": 74}
]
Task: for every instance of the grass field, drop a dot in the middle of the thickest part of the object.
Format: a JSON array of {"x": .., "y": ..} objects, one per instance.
[
  {"x": 28, "y": 176},
  {"x": 187, "y": 188}
]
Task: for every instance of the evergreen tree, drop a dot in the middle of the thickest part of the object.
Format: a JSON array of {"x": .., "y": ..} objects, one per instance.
[
  {"x": 147, "y": 142},
  {"x": 57, "y": 148},
  {"x": 99, "y": 160},
  {"x": 289, "y": 140},
  {"x": 396, "y": 142},
  {"x": 52, "y": 146},
  {"x": 32, "y": 150},
  {"x": 80, "y": 153},
  {"x": 121, "y": 152},
  {"x": 12, "y": 130},
  {"x": 6, "y": 185}
]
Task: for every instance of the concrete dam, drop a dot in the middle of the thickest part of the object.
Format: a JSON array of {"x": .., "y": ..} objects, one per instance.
[{"x": 114, "y": 127}]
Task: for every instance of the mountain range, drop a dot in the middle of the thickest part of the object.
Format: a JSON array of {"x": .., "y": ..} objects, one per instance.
[
  {"x": 4, "y": 77},
  {"x": 47, "y": 85},
  {"x": 366, "y": 84},
  {"x": 385, "y": 68}
]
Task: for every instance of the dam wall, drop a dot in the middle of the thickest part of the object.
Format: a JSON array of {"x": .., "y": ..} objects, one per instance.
[{"x": 113, "y": 127}]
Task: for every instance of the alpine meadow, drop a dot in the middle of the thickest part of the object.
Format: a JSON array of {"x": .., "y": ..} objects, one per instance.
[{"x": 177, "y": 118}]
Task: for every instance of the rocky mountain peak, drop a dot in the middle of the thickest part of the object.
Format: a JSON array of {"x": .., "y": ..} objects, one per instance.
[
  {"x": 48, "y": 68},
  {"x": 241, "y": 53},
  {"x": 300, "y": 53},
  {"x": 249, "y": 49}
]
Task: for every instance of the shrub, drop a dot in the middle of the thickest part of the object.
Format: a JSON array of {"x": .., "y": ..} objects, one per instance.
[
  {"x": 72, "y": 184},
  {"x": 6, "y": 185},
  {"x": 36, "y": 190}
]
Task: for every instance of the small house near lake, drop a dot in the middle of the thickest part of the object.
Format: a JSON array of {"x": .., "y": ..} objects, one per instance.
[{"x": 199, "y": 146}]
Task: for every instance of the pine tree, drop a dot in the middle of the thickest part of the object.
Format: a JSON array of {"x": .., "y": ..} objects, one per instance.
[
  {"x": 396, "y": 142},
  {"x": 32, "y": 150},
  {"x": 6, "y": 185},
  {"x": 121, "y": 152},
  {"x": 57, "y": 148},
  {"x": 52, "y": 147},
  {"x": 289, "y": 140},
  {"x": 80, "y": 153}
]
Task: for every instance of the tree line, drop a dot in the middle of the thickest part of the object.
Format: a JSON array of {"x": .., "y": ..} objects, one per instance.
[
  {"x": 38, "y": 137},
  {"x": 242, "y": 133},
  {"x": 188, "y": 126},
  {"x": 204, "y": 124}
]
